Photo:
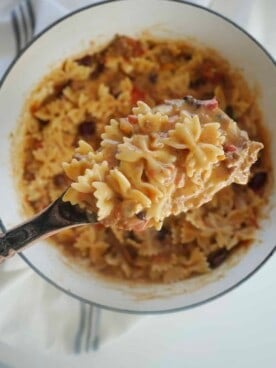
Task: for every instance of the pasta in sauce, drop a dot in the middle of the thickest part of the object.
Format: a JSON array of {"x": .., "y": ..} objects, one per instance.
[
  {"x": 160, "y": 162},
  {"x": 77, "y": 100}
]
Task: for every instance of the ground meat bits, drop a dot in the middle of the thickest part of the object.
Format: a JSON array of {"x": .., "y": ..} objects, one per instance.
[{"x": 87, "y": 128}]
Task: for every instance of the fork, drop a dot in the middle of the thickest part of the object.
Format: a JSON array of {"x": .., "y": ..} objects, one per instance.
[
  {"x": 57, "y": 216},
  {"x": 23, "y": 23}
]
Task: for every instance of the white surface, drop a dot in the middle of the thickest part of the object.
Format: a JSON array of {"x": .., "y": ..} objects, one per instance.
[{"x": 237, "y": 330}]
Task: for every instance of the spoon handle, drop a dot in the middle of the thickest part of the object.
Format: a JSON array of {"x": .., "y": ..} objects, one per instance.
[{"x": 59, "y": 215}]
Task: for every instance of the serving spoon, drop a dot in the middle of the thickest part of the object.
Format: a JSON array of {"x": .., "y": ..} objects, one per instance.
[{"x": 57, "y": 216}]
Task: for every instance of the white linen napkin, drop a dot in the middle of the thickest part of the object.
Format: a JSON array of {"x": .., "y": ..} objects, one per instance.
[{"x": 34, "y": 315}]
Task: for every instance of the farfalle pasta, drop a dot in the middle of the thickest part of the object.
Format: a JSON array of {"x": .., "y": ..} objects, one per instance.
[
  {"x": 77, "y": 100},
  {"x": 159, "y": 162}
]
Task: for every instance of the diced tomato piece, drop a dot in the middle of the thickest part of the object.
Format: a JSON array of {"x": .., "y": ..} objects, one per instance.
[
  {"x": 133, "y": 119},
  {"x": 137, "y": 49},
  {"x": 210, "y": 104},
  {"x": 137, "y": 95},
  {"x": 229, "y": 148}
]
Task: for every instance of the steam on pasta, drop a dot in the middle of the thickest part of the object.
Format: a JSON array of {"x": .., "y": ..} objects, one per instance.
[{"x": 159, "y": 162}]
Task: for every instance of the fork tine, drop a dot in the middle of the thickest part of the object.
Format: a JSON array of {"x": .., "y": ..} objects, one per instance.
[
  {"x": 24, "y": 25},
  {"x": 30, "y": 10},
  {"x": 16, "y": 30}
]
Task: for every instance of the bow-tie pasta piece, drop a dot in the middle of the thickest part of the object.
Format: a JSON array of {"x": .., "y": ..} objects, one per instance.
[{"x": 159, "y": 162}]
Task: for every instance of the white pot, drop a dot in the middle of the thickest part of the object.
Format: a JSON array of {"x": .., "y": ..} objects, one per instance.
[{"x": 100, "y": 23}]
